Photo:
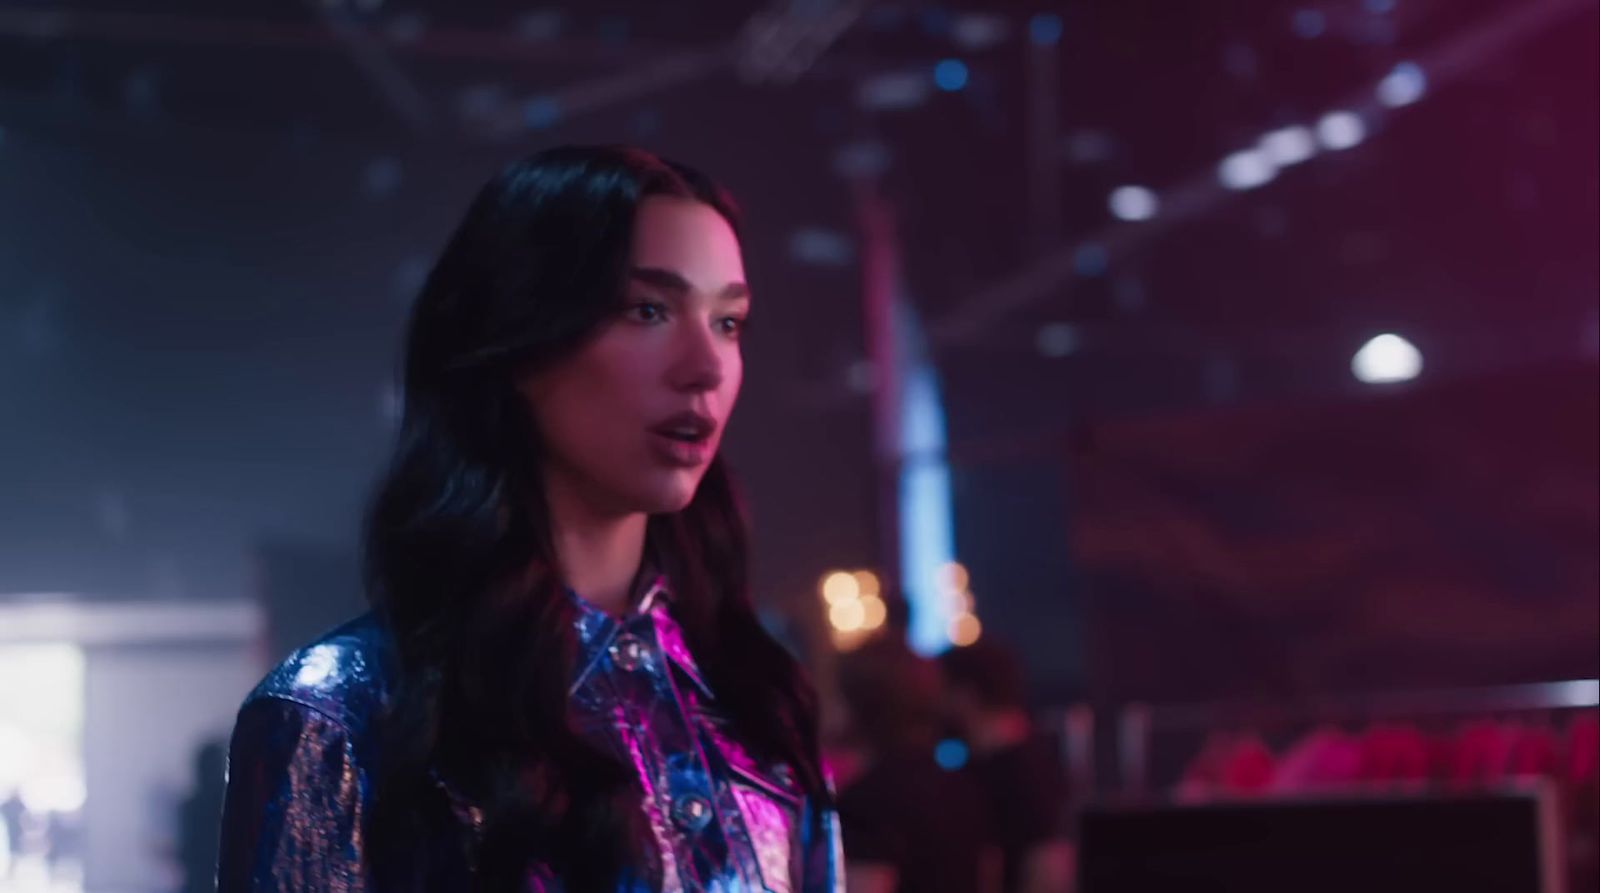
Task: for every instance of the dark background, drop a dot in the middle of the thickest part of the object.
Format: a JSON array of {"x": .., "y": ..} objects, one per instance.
[{"x": 212, "y": 219}]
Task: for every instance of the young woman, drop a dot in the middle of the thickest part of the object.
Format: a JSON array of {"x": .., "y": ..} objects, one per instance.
[{"x": 562, "y": 684}]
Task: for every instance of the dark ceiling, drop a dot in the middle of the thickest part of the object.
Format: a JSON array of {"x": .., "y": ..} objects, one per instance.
[{"x": 212, "y": 218}]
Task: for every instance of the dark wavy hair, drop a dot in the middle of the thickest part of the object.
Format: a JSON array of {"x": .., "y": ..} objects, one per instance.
[{"x": 460, "y": 564}]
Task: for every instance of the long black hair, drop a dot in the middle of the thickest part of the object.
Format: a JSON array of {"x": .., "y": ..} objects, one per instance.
[{"x": 459, "y": 558}]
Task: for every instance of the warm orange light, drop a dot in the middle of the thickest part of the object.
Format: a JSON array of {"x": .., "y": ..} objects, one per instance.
[
  {"x": 953, "y": 577},
  {"x": 839, "y": 587},
  {"x": 867, "y": 583},
  {"x": 873, "y": 612},
  {"x": 965, "y": 629},
  {"x": 847, "y": 616}
]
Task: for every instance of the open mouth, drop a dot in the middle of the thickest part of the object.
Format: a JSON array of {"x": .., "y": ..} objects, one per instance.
[
  {"x": 684, "y": 441},
  {"x": 684, "y": 436},
  {"x": 688, "y": 428}
]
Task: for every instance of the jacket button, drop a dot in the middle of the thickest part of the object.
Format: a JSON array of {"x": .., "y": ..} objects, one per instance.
[
  {"x": 692, "y": 812},
  {"x": 627, "y": 652}
]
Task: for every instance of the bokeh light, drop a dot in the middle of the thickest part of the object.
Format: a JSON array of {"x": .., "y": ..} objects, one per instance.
[
  {"x": 1341, "y": 130},
  {"x": 950, "y": 75},
  {"x": 1134, "y": 203},
  {"x": 867, "y": 584},
  {"x": 847, "y": 616},
  {"x": 1289, "y": 145},
  {"x": 953, "y": 577},
  {"x": 1403, "y": 85},
  {"x": 840, "y": 586},
  {"x": 1386, "y": 359},
  {"x": 964, "y": 630},
  {"x": 873, "y": 612},
  {"x": 1246, "y": 169}
]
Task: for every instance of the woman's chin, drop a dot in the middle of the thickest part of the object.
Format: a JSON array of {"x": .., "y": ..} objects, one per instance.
[{"x": 672, "y": 494}]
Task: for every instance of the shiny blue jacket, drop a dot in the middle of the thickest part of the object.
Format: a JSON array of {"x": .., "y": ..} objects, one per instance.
[{"x": 300, "y": 777}]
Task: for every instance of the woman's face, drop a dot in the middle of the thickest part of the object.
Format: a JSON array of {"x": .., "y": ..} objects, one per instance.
[{"x": 632, "y": 419}]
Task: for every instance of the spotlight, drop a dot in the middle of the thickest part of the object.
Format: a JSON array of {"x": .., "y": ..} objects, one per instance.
[
  {"x": 1134, "y": 203},
  {"x": 1403, "y": 85},
  {"x": 1246, "y": 169},
  {"x": 1288, "y": 145},
  {"x": 1386, "y": 359},
  {"x": 1340, "y": 130}
]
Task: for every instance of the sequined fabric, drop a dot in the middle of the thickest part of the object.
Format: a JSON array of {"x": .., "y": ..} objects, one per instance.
[{"x": 299, "y": 792}]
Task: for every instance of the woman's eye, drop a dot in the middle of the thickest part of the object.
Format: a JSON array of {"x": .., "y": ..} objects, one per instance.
[
  {"x": 647, "y": 312},
  {"x": 732, "y": 326}
]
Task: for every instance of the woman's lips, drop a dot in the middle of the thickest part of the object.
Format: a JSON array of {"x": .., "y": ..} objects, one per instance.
[{"x": 680, "y": 453}]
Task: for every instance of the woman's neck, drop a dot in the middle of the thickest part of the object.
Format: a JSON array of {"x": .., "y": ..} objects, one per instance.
[{"x": 598, "y": 553}]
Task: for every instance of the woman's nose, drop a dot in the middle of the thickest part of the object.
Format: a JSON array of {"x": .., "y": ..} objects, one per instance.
[{"x": 699, "y": 365}]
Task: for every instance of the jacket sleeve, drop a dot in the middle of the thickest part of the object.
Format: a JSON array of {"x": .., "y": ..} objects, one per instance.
[
  {"x": 297, "y": 804},
  {"x": 822, "y": 853}
]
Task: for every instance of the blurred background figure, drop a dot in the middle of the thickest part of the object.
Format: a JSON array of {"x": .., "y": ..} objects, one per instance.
[
  {"x": 200, "y": 819},
  {"x": 12, "y": 812},
  {"x": 1018, "y": 767},
  {"x": 910, "y": 824},
  {"x": 63, "y": 846}
]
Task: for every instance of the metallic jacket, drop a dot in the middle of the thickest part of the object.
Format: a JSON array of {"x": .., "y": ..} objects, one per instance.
[{"x": 301, "y": 779}]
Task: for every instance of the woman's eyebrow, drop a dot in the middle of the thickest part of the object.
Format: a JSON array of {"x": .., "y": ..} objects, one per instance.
[
  {"x": 668, "y": 279},
  {"x": 674, "y": 281}
]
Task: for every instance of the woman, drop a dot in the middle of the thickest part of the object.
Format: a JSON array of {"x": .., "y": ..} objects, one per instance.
[{"x": 562, "y": 684}]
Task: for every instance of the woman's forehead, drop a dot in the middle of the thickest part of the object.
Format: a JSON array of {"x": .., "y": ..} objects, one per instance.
[{"x": 687, "y": 237}]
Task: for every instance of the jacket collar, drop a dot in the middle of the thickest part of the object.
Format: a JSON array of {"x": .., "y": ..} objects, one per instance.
[{"x": 650, "y": 618}]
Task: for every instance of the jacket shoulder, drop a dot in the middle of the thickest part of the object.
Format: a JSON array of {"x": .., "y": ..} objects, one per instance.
[{"x": 345, "y": 675}]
